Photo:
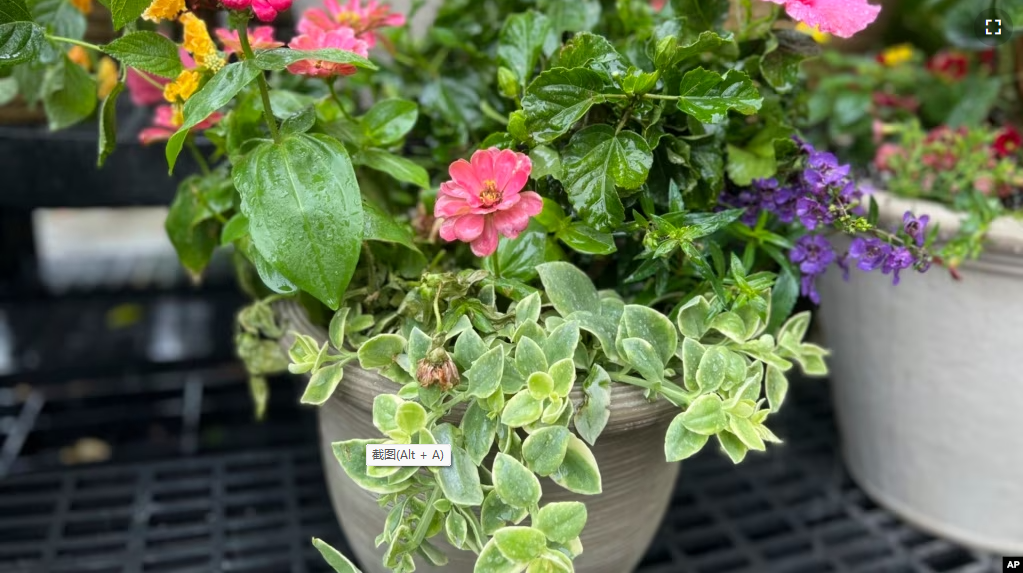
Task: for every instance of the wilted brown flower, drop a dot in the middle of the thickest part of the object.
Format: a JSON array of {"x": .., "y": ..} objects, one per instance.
[{"x": 437, "y": 368}]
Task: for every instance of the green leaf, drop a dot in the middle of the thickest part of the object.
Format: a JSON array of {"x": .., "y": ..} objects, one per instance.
[
  {"x": 680, "y": 442},
  {"x": 14, "y": 11},
  {"x": 692, "y": 317},
  {"x": 592, "y": 415},
  {"x": 783, "y": 298},
  {"x": 732, "y": 446},
  {"x": 597, "y": 160},
  {"x": 8, "y": 90},
  {"x": 235, "y": 228},
  {"x": 352, "y": 456},
  {"x": 546, "y": 161},
  {"x": 485, "y": 374},
  {"x": 585, "y": 239},
  {"x": 19, "y": 42},
  {"x": 396, "y": 166},
  {"x": 520, "y": 544},
  {"x": 334, "y": 558},
  {"x": 468, "y": 347},
  {"x": 521, "y": 410},
  {"x": 705, "y": 415},
  {"x": 410, "y": 417},
  {"x": 707, "y": 41},
  {"x": 701, "y": 15},
  {"x": 646, "y": 323},
  {"x": 108, "y": 125},
  {"x": 562, "y": 521},
  {"x": 277, "y": 59},
  {"x": 540, "y": 385},
  {"x": 388, "y": 121},
  {"x": 495, "y": 514},
  {"x": 643, "y": 357},
  {"x": 478, "y": 431},
  {"x": 491, "y": 560},
  {"x": 193, "y": 242},
  {"x": 544, "y": 450},
  {"x": 59, "y": 18},
  {"x": 299, "y": 122},
  {"x": 711, "y": 373},
  {"x": 591, "y": 51},
  {"x": 568, "y": 288},
  {"x": 707, "y": 96},
  {"x": 322, "y": 384},
  {"x": 380, "y": 351},
  {"x": 746, "y": 432},
  {"x": 305, "y": 211},
  {"x": 777, "y": 386},
  {"x": 780, "y": 67},
  {"x": 558, "y": 98},
  {"x": 579, "y": 472},
  {"x": 126, "y": 11},
  {"x": 514, "y": 483},
  {"x": 460, "y": 481},
  {"x": 517, "y": 258},
  {"x": 385, "y": 410},
  {"x": 217, "y": 93},
  {"x": 974, "y": 109},
  {"x": 731, "y": 325},
  {"x": 519, "y": 44},
  {"x": 147, "y": 51},
  {"x": 456, "y": 529},
  {"x": 529, "y": 357},
  {"x": 73, "y": 97},
  {"x": 380, "y": 226},
  {"x": 562, "y": 342}
]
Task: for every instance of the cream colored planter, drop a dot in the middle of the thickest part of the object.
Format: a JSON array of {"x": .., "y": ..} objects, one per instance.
[
  {"x": 637, "y": 482},
  {"x": 928, "y": 386}
]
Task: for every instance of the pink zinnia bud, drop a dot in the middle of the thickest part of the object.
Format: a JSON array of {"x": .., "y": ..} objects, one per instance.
[
  {"x": 485, "y": 198},
  {"x": 316, "y": 39},
  {"x": 843, "y": 18},
  {"x": 265, "y": 10},
  {"x": 260, "y": 38}
]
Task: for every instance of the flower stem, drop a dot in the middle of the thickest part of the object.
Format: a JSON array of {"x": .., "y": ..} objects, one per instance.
[
  {"x": 148, "y": 78},
  {"x": 198, "y": 156},
  {"x": 670, "y": 390},
  {"x": 337, "y": 100},
  {"x": 264, "y": 89},
  {"x": 424, "y": 523},
  {"x": 75, "y": 42}
]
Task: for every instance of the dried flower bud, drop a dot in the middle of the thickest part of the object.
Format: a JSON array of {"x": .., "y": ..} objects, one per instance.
[{"x": 437, "y": 368}]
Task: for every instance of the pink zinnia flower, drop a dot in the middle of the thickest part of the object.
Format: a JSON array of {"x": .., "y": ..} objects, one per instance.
[
  {"x": 362, "y": 19},
  {"x": 839, "y": 17},
  {"x": 316, "y": 39},
  {"x": 166, "y": 122},
  {"x": 658, "y": 4},
  {"x": 260, "y": 38},
  {"x": 143, "y": 92},
  {"x": 265, "y": 10},
  {"x": 485, "y": 198}
]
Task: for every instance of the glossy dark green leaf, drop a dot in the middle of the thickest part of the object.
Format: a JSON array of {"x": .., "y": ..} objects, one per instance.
[
  {"x": 147, "y": 51},
  {"x": 217, "y": 93},
  {"x": 783, "y": 298},
  {"x": 19, "y": 42},
  {"x": 707, "y": 41},
  {"x": 279, "y": 58},
  {"x": 193, "y": 242},
  {"x": 517, "y": 258},
  {"x": 305, "y": 211},
  {"x": 546, "y": 161},
  {"x": 591, "y": 51},
  {"x": 596, "y": 161},
  {"x": 388, "y": 121},
  {"x": 585, "y": 239},
  {"x": 396, "y": 166},
  {"x": 707, "y": 96},
  {"x": 14, "y": 11},
  {"x": 74, "y": 99},
  {"x": 702, "y": 15},
  {"x": 108, "y": 124},
  {"x": 380, "y": 226},
  {"x": 520, "y": 42},
  {"x": 299, "y": 122},
  {"x": 780, "y": 66},
  {"x": 558, "y": 98},
  {"x": 235, "y": 228}
]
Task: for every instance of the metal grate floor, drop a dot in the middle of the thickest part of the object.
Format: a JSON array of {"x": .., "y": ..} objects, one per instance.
[{"x": 793, "y": 510}]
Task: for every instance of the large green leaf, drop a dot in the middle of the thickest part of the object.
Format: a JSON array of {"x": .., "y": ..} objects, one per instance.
[
  {"x": 568, "y": 288},
  {"x": 279, "y": 58},
  {"x": 597, "y": 160},
  {"x": 587, "y": 50},
  {"x": 125, "y": 11},
  {"x": 396, "y": 166},
  {"x": 147, "y": 51},
  {"x": 558, "y": 98},
  {"x": 460, "y": 481},
  {"x": 514, "y": 483},
  {"x": 19, "y": 42},
  {"x": 707, "y": 95},
  {"x": 517, "y": 258},
  {"x": 780, "y": 66},
  {"x": 59, "y": 17},
  {"x": 585, "y": 239},
  {"x": 380, "y": 226},
  {"x": 194, "y": 241},
  {"x": 579, "y": 472},
  {"x": 14, "y": 11},
  {"x": 71, "y": 95},
  {"x": 562, "y": 521},
  {"x": 522, "y": 37},
  {"x": 217, "y": 93},
  {"x": 388, "y": 121},
  {"x": 305, "y": 211}
]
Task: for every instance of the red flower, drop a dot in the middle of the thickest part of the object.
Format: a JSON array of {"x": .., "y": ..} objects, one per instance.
[
  {"x": 1008, "y": 142},
  {"x": 882, "y": 99},
  {"x": 948, "y": 64}
]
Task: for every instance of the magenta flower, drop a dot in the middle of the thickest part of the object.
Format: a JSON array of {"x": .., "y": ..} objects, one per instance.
[
  {"x": 260, "y": 38},
  {"x": 842, "y": 18},
  {"x": 265, "y": 10},
  {"x": 364, "y": 20},
  {"x": 316, "y": 39},
  {"x": 166, "y": 122},
  {"x": 485, "y": 198}
]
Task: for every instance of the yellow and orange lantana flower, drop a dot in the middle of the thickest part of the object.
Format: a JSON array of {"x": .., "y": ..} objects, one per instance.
[
  {"x": 182, "y": 88},
  {"x": 106, "y": 77},
  {"x": 164, "y": 10},
  {"x": 198, "y": 42}
]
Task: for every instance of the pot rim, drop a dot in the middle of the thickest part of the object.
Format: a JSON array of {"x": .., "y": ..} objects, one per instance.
[{"x": 629, "y": 407}]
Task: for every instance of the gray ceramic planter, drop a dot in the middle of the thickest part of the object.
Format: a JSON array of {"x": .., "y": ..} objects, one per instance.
[
  {"x": 928, "y": 386},
  {"x": 637, "y": 482}
]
